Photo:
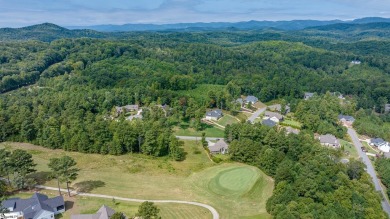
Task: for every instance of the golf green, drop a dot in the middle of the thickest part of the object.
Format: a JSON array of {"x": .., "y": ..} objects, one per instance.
[{"x": 234, "y": 181}]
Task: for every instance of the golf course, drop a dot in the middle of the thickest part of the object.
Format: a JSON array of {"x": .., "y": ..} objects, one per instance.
[{"x": 235, "y": 190}]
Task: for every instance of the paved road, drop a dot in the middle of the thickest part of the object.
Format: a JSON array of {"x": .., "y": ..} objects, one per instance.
[
  {"x": 211, "y": 209},
  {"x": 192, "y": 138},
  {"x": 256, "y": 114},
  {"x": 370, "y": 168}
]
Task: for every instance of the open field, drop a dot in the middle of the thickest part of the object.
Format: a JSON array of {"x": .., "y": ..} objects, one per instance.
[
  {"x": 227, "y": 120},
  {"x": 211, "y": 131},
  {"x": 142, "y": 177},
  {"x": 292, "y": 123}
]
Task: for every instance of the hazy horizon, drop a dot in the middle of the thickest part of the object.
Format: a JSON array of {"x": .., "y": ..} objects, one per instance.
[{"x": 19, "y": 13}]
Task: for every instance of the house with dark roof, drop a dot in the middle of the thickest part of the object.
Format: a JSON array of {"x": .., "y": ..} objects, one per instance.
[
  {"x": 376, "y": 142},
  {"x": 290, "y": 130},
  {"x": 39, "y": 206},
  {"x": 276, "y": 117},
  {"x": 125, "y": 109},
  {"x": 346, "y": 120},
  {"x": 308, "y": 95},
  {"x": 329, "y": 140},
  {"x": 221, "y": 147},
  {"x": 268, "y": 122},
  {"x": 214, "y": 115},
  {"x": 103, "y": 213}
]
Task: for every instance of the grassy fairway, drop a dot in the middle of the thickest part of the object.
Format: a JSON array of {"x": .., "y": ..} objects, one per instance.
[{"x": 235, "y": 190}]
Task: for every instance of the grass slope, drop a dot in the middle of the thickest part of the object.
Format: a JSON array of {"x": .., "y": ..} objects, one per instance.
[{"x": 138, "y": 176}]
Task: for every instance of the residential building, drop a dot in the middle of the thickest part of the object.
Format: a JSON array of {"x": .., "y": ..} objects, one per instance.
[
  {"x": 103, "y": 213},
  {"x": 214, "y": 115},
  {"x": 131, "y": 118},
  {"x": 308, "y": 95},
  {"x": 384, "y": 147},
  {"x": 251, "y": 99},
  {"x": 278, "y": 108},
  {"x": 329, "y": 140},
  {"x": 221, "y": 147},
  {"x": 346, "y": 120},
  {"x": 290, "y": 130},
  {"x": 39, "y": 206},
  {"x": 387, "y": 108},
  {"x": 276, "y": 117},
  {"x": 376, "y": 142},
  {"x": 356, "y": 62},
  {"x": 125, "y": 109},
  {"x": 269, "y": 123}
]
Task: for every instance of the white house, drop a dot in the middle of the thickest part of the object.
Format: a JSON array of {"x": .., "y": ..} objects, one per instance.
[
  {"x": 214, "y": 115},
  {"x": 276, "y": 117},
  {"x": 384, "y": 147}
]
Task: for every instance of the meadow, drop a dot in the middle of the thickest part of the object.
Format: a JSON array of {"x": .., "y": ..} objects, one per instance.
[{"x": 234, "y": 190}]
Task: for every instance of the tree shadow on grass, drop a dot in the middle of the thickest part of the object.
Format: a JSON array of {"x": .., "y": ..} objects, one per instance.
[
  {"x": 41, "y": 177},
  {"x": 89, "y": 185}
]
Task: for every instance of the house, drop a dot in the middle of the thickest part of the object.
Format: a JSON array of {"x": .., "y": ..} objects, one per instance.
[
  {"x": 268, "y": 122},
  {"x": 329, "y": 140},
  {"x": 376, "y": 142},
  {"x": 278, "y": 108},
  {"x": 386, "y": 155},
  {"x": 276, "y": 117},
  {"x": 338, "y": 95},
  {"x": 251, "y": 99},
  {"x": 356, "y": 62},
  {"x": 240, "y": 101},
  {"x": 308, "y": 95},
  {"x": 346, "y": 120},
  {"x": 39, "y": 206},
  {"x": 103, "y": 213},
  {"x": 290, "y": 130},
  {"x": 384, "y": 147},
  {"x": 387, "y": 108},
  {"x": 125, "y": 109},
  {"x": 221, "y": 147},
  {"x": 214, "y": 115}
]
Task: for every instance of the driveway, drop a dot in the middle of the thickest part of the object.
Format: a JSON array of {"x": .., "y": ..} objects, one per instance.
[
  {"x": 370, "y": 168},
  {"x": 256, "y": 114}
]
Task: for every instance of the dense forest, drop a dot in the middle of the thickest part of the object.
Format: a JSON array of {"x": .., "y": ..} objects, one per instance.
[{"x": 59, "y": 89}]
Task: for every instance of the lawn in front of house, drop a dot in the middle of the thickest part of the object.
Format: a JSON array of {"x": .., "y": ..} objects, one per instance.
[
  {"x": 184, "y": 129},
  {"x": 144, "y": 177},
  {"x": 292, "y": 123},
  {"x": 227, "y": 120},
  {"x": 369, "y": 148},
  {"x": 350, "y": 148}
]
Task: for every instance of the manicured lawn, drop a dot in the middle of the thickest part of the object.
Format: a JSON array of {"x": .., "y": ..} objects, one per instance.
[
  {"x": 227, "y": 120},
  {"x": 292, "y": 123},
  {"x": 350, "y": 148},
  {"x": 138, "y": 176},
  {"x": 90, "y": 205},
  {"x": 369, "y": 148},
  {"x": 211, "y": 131}
]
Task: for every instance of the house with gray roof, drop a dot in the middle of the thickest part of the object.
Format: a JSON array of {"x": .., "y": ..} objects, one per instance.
[
  {"x": 268, "y": 122},
  {"x": 376, "y": 142},
  {"x": 125, "y": 109},
  {"x": 221, "y": 147},
  {"x": 346, "y": 120},
  {"x": 308, "y": 95},
  {"x": 103, "y": 213},
  {"x": 251, "y": 99},
  {"x": 214, "y": 115},
  {"x": 276, "y": 117},
  {"x": 39, "y": 206},
  {"x": 329, "y": 140}
]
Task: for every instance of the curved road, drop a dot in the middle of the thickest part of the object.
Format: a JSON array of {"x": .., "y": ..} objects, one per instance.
[
  {"x": 370, "y": 168},
  {"x": 211, "y": 209}
]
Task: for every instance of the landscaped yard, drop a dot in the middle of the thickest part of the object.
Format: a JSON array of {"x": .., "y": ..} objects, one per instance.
[
  {"x": 227, "y": 120},
  {"x": 350, "y": 148},
  {"x": 292, "y": 123},
  {"x": 368, "y": 148},
  {"x": 211, "y": 131},
  {"x": 138, "y": 176}
]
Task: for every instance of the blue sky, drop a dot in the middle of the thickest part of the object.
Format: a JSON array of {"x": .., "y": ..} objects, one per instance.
[{"x": 17, "y": 13}]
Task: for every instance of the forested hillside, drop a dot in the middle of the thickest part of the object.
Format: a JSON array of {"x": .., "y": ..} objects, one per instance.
[{"x": 60, "y": 89}]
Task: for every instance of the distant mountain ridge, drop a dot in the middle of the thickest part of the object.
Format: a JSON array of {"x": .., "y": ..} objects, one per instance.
[{"x": 282, "y": 25}]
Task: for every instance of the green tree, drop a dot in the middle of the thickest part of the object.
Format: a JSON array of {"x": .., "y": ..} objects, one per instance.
[
  {"x": 118, "y": 215},
  {"x": 147, "y": 210},
  {"x": 64, "y": 170},
  {"x": 22, "y": 165},
  {"x": 5, "y": 164}
]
